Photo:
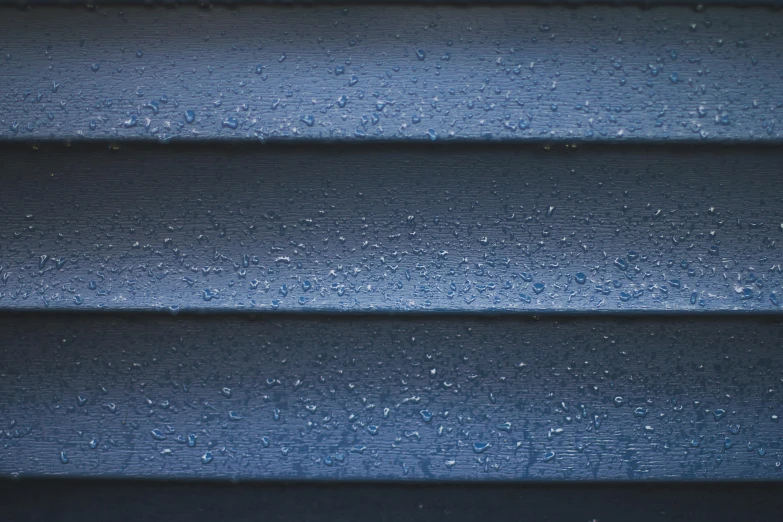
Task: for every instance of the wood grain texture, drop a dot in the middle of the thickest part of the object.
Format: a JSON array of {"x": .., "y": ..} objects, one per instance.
[
  {"x": 391, "y": 398},
  {"x": 379, "y": 229},
  {"x": 391, "y": 73}
]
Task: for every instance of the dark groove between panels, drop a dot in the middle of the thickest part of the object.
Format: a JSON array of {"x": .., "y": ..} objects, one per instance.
[{"x": 74, "y": 500}]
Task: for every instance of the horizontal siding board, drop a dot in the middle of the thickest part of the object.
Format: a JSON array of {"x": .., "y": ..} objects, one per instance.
[
  {"x": 391, "y": 73},
  {"x": 416, "y": 398},
  {"x": 389, "y": 229}
]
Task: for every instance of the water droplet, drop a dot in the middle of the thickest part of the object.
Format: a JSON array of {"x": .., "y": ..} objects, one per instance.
[
  {"x": 207, "y": 457},
  {"x": 481, "y": 447},
  {"x": 190, "y": 116},
  {"x": 64, "y": 458},
  {"x": 157, "y": 434},
  {"x": 549, "y": 455}
]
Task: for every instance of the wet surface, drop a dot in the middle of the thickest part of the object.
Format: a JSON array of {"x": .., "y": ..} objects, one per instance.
[
  {"x": 373, "y": 398},
  {"x": 373, "y": 229},
  {"x": 391, "y": 73}
]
